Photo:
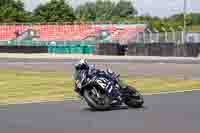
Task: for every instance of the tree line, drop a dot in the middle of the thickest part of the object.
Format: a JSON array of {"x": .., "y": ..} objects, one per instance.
[{"x": 13, "y": 11}]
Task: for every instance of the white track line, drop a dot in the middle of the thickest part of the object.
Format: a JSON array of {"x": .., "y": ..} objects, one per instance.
[
  {"x": 159, "y": 93},
  {"x": 170, "y": 92}
]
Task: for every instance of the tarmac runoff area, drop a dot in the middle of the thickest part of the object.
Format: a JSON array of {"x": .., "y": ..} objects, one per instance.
[
  {"x": 99, "y": 58},
  {"x": 178, "y": 67},
  {"x": 174, "y": 113}
]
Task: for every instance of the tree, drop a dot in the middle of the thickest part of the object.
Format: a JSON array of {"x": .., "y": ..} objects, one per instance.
[
  {"x": 54, "y": 11},
  {"x": 124, "y": 9},
  {"x": 13, "y": 11},
  {"x": 95, "y": 11},
  {"x": 17, "y": 4},
  {"x": 105, "y": 10},
  {"x": 86, "y": 12},
  {"x": 194, "y": 18}
]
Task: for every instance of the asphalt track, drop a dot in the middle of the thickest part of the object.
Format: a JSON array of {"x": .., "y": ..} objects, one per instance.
[
  {"x": 179, "y": 69},
  {"x": 169, "y": 113},
  {"x": 124, "y": 60}
]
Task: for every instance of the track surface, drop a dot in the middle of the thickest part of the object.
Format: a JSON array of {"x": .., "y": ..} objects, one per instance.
[
  {"x": 171, "y": 113},
  {"x": 125, "y": 68}
]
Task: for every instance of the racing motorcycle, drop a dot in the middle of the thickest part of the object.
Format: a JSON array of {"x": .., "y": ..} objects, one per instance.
[{"x": 95, "y": 90}]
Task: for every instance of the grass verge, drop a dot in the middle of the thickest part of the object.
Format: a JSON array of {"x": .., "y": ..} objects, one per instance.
[{"x": 30, "y": 86}]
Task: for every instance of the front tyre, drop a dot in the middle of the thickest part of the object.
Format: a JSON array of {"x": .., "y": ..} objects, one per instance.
[
  {"x": 134, "y": 99},
  {"x": 98, "y": 101}
]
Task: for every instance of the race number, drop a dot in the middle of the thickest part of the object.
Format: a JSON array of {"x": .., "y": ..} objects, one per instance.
[{"x": 102, "y": 82}]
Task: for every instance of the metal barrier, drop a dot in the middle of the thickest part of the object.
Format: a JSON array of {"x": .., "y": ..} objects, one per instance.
[
  {"x": 178, "y": 37},
  {"x": 64, "y": 47},
  {"x": 108, "y": 49},
  {"x": 23, "y": 49},
  {"x": 160, "y": 37},
  {"x": 164, "y": 49}
]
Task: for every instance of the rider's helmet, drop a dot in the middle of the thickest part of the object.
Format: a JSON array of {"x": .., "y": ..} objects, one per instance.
[{"x": 82, "y": 65}]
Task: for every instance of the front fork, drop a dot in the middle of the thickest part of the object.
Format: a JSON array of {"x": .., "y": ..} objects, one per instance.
[
  {"x": 116, "y": 94},
  {"x": 121, "y": 87}
]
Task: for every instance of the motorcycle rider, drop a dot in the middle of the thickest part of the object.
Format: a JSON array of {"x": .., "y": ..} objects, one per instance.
[{"x": 83, "y": 67}]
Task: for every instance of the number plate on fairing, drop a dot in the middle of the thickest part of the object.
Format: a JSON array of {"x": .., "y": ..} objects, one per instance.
[{"x": 103, "y": 82}]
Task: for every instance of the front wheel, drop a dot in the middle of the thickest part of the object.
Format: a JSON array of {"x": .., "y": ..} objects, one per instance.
[
  {"x": 134, "y": 99},
  {"x": 96, "y": 99}
]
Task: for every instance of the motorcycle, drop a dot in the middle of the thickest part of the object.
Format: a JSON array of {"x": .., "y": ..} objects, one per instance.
[{"x": 96, "y": 89}]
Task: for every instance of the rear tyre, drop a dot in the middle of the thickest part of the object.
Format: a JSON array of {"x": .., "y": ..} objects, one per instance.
[
  {"x": 102, "y": 103},
  {"x": 134, "y": 98}
]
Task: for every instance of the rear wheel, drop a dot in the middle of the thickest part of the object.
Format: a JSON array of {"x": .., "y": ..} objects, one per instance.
[
  {"x": 96, "y": 99},
  {"x": 134, "y": 99}
]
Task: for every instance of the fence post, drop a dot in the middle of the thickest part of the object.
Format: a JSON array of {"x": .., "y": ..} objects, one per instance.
[
  {"x": 157, "y": 34},
  {"x": 144, "y": 37},
  {"x": 173, "y": 35},
  {"x": 137, "y": 37},
  {"x": 182, "y": 34},
  {"x": 150, "y": 35},
  {"x": 166, "y": 40}
]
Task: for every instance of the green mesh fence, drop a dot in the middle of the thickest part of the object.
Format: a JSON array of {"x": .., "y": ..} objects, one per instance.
[
  {"x": 46, "y": 43},
  {"x": 73, "y": 49},
  {"x": 63, "y": 47}
]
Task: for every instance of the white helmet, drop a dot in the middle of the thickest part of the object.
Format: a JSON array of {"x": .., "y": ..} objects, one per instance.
[{"x": 82, "y": 65}]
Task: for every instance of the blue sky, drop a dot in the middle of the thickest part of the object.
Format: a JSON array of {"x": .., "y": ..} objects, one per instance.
[{"x": 153, "y": 7}]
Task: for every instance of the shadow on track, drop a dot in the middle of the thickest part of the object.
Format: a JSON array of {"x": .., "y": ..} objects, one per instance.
[{"x": 117, "y": 108}]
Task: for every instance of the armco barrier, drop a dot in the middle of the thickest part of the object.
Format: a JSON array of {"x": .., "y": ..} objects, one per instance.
[
  {"x": 137, "y": 49},
  {"x": 164, "y": 49},
  {"x": 193, "y": 49},
  {"x": 167, "y": 49},
  {"x": 107, "y": 49},
  {"x": 23, "y": 49},
  {"x": 61, "y": 47},
  {"x": 48, "y": 49}
]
